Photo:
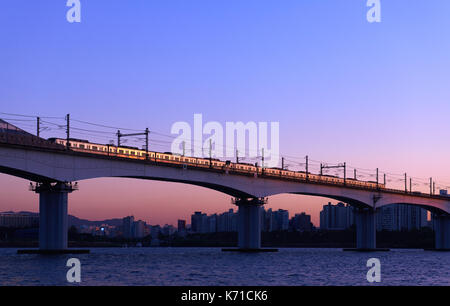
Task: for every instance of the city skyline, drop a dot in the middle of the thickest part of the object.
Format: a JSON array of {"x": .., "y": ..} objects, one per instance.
[
  {"x": 337, "y": 216},
  {"x": 148, "y": 221},
  {"x": 128, "y": 65}
]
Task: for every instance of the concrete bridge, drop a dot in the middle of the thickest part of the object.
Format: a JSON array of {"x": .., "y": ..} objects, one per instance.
[{"x": 54, "y": 170}]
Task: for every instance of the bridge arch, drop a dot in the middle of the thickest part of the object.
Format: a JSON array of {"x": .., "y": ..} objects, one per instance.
[
  {"x": 430, "y": 208},
  {"x": 66, "y": 166}
]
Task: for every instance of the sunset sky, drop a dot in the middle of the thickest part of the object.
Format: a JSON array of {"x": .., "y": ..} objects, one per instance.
[{"x": 342, "y": 89}]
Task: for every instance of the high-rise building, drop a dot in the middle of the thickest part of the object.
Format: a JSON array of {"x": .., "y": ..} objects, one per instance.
[
  {"x": 199, "y": 222},
  {"x": 133, "y": 229},
  {"x": 227, "y": 221},
  {"x": 412, "y": 217},
  {"x": 301, "y": 222},
  {"x": 281, "y": 219},
  {"x": 274, "y": 220},
  {"x": 139, "y": 229},
  {"x": 388, "y": 218},
  {"x": 336, "y": 217},
  {"x": 399, "y": 217},
  {"x": 18, "y": 220},
  {"x": 168, "y": 230},
  {"x": 128, "y": 226},
  {"x": 181, "y": 225},
  {"x": 212, "y": 223},
  {"x": 267, "y": 220},
  {"x": 196, "y": 221}
]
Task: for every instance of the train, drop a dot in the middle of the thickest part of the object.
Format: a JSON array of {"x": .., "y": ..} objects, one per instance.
[{"x": 82, "y": 145}]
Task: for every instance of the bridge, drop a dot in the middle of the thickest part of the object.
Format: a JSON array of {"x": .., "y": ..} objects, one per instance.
[{"x": 55, "y": 169}]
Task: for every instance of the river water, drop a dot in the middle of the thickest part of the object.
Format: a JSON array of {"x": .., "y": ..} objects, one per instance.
[{"x": 211, "y": 266}]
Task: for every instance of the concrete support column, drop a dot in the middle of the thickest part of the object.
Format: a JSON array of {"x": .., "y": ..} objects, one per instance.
[
  {"x": 53, "y": 215},
  {"x": 365, "y": 228},
  {"x": 249, "y": 223},
  {"x": 441, "y": 226}
]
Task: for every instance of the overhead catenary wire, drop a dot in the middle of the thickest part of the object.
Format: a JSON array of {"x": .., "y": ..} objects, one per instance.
[{"x": 107, "y": 132}]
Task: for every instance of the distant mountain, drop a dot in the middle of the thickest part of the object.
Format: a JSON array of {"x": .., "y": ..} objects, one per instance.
[
  {"x": 20, "y": 212},
  {"x": 77, "y": 221},
  {"x": 72, "y": 220}
]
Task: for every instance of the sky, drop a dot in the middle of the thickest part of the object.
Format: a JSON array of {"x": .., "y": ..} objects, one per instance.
[{"x": 342, "y": 89}]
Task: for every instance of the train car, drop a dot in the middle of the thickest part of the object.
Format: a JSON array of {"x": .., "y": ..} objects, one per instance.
[
  {"x": 245, "y": 167},
  {"x": 272, "y": 171},
  {"x": 83, "y": 145}
]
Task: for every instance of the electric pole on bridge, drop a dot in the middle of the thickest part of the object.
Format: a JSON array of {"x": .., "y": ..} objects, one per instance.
[
  {"x": 307, "y": 178},
  {"x": 345, "y": 173},
  {"x": 68, "y": 131},
  {"x": 406, "y": 184},
  {"x": 118, "y": 137},
  {"x": 38, "y": 126},
  {"x": 262, "y": 161},
  {"x": 146, "y": 142},
  {"x": 210, "y": 153},
  {"x": 378, "y": 184},
  {"x": 344, "y": 166},
  {"x": 145, "y": 133}
]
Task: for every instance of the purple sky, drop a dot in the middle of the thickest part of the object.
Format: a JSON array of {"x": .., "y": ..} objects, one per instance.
[{"x": 373, "y": 95}]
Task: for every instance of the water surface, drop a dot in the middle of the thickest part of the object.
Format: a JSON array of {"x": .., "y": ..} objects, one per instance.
[{"x": 211, "y": 266}]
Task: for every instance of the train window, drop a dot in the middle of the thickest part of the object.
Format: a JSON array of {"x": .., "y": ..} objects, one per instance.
[{"x": 94, "y": 148}]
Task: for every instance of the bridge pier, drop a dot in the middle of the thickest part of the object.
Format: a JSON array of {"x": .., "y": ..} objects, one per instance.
[
  {"x": 249, "y": 225},
  {"x": 53, "y": 215},
  {"x": 441, "y": 225},
  {"x": 53, "y": 199},
  {"x": 365, "y": 228}
]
